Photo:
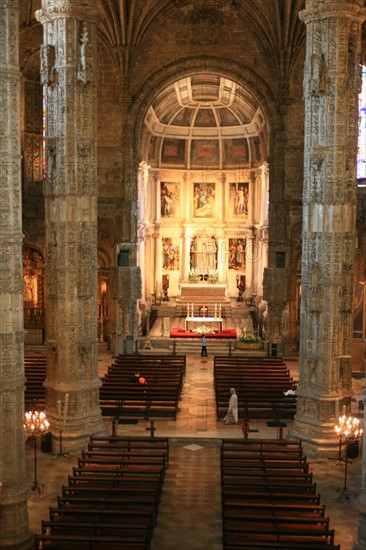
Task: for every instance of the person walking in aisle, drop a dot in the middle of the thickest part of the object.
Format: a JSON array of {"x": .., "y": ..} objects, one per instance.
[
  {"x": 232, "y": 413},
  {"x": 203, "y": 346}
]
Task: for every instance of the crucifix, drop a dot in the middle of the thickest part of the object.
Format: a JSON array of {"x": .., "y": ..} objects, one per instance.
[{"x": 204, "y": 310}]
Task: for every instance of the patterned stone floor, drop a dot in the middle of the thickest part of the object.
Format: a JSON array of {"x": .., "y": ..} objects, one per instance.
[
  {"x": 189, "y": 516},
  {"x": 190, "y": 510}
]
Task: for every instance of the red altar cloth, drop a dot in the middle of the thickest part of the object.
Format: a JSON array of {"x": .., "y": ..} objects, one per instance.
[{"x": 181, "y": 333}]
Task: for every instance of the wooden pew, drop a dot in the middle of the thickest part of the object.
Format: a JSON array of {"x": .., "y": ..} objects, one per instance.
[
  {"x": 260, "y": 384},
  {"x": 138, "y": 444},
  {"x": 60, "y": 541},
  {"x": 35, "y": 368},
  {"x": 269, "y": 500},
  {"x": 112, "y": 499},
  {"x": 158, "y": 397},
  {"x": 130, "y": 531}
]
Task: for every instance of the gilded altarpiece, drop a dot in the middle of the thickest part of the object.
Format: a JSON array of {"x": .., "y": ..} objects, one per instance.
[{"x": 32, "y": 133}]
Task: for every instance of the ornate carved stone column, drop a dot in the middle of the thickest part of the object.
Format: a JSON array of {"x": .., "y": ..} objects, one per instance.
[
  {"x": 276, "y": 282},
  {"x": 69, "y": 74},
  {"x": 14, "y": 527},
  {"x": 361, "y": 536},
  {"x": 331, "y": 87},
  {"x": 277, "y": 296}
]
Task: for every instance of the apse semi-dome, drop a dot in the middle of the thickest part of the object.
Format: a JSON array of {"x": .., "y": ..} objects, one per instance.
[{"x": 205, "y": 120}]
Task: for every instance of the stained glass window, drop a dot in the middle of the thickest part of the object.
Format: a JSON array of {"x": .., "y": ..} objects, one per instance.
[{"x": 361, "y": 154}]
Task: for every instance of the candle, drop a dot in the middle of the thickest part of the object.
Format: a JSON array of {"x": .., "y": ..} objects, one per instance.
[
  {"x": 66, "y": 407},
  {"x": 59, "y": 409}
]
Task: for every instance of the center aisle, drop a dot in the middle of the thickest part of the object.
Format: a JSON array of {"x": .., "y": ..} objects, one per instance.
[{"x": 190, "y": 509}]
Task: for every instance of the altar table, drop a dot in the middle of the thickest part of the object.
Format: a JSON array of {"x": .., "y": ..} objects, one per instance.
[{"x": 214, "y": 323}]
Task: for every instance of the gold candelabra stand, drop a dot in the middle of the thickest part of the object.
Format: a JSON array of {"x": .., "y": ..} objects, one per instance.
[
  {"x": 35, "y": 424},
  {"x": 348, "y": 430}
]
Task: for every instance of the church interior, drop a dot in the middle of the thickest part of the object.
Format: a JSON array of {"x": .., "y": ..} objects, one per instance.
[{"x": 174, "y": 168}]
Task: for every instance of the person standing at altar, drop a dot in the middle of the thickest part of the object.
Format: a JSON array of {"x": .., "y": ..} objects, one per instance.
[
  {"x": 203, "y": 346},
  {"x": 232, "y": 413}
]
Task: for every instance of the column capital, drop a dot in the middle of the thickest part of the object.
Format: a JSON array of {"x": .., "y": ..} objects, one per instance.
[
  {"x": 52, "y": 10},
  {"x": 316, "y": 10}
]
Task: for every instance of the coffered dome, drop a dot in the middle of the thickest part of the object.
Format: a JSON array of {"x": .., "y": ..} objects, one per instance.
[{"x": 205, "y": 119}]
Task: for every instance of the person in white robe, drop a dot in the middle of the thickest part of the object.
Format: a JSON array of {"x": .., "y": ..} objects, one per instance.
[{"x": 232, "y": 413}]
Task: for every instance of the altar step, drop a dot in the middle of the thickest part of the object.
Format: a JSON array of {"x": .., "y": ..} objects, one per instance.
[
  {"x": 214, "y": 346},
  {"x": 229, "y": 309}
]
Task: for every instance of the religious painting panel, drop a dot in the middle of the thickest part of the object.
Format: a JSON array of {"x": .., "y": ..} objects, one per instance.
[
  {"x": 237, "y": 254},
  {"x": 203, "y": 255},
  {"x": 203, "y": 200},
  {"x": 152, "y": 150},
  {"x": 236, "y": 151},
  {"x": 174, "y": 151},
  {"x": 204, "y": 152},
  {"x": 257, "y": 149},
  {"x": 227, "y": 118},
  {"x": 205, "y": 118},
  {"x": 169, "y": 199},
  {"x": 170, "y": 254},
  {"x": 183, "y": 118},
  {"x": 238, "y": 200}
]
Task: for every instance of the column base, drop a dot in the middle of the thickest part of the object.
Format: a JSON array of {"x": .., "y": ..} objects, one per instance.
[
  {"x": 74, "y": 441},
  {"x": 317, "y": 441},
  {"x": 360, "y": 544},
  {"x": 24, "y": 544},
  {"x": 14, "y": 526}
]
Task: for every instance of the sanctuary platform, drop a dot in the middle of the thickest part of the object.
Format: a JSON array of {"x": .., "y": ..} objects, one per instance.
[{"x": 226, "y": 333}]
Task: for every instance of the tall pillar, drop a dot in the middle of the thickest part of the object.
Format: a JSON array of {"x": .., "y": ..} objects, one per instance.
[
  {"x": 69, "y": 75},
  {"x": 149, "y": 275},
  {"x": 186, "y": 255},
  {"x": 143, "y": 177},
  {"x": 262, "y": 257},
  {"x": 263, "y": 216},
  {"x": 158, "y": 259},
  {"x": 250, "y": 266},
  {"x": 361, "y": 503},
  {"x": 332, "y": 80},
  {"x": 14, "y": 527},
  {"x": 221, "y": 256},
  {"x": 157, "y": 238}
]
